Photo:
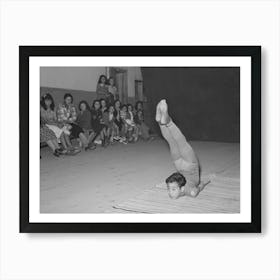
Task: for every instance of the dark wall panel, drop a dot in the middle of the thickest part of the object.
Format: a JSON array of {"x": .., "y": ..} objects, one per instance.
[{"x": 203, "y": 101}]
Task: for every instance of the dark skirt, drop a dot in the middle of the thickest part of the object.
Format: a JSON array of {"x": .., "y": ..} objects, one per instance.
[
  {"x": 97, "y": 126},
  {"x": 119, "y": 124},
  {"x": 76, "y": 130}
]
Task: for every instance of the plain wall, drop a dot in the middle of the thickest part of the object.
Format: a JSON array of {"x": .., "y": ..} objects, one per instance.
[
  {"x": 82, "y": 79},
  {"x": 133, "y": 73},
  {"x": 77, "y": 78},
  {"x": 204, "y": 102}
]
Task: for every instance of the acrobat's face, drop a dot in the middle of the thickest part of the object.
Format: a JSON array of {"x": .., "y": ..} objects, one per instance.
[{"x": 174, "y": 190}]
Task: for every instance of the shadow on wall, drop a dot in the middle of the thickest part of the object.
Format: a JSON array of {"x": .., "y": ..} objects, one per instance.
[{"x": 203, "y": 101}]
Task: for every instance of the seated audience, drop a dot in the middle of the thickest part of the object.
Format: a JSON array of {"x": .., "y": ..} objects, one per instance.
[
  {"x": 118, "y": 121},
  {"x": 130, "y": 119},
  {"x": 109, "y": 121},
  {"x": 103, "y": 105},
  {"x": 128, "y": 124},
  {"x": 125, "y": 126},
  {"x": 67, "y": 115},
  {"x": 143, "y": 129},
  {"x": 48, "y": 116},
  {"x": 139, "y": 106},
  {"x": 48, "y": 136},
  {"x": 84, "y": 119},
  {"x": 98, "y": 125}
]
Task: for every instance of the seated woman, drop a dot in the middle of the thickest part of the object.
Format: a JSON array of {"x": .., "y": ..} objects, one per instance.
[
  {"x": 109, "y": 121},
  {"x": 48, "y": 116},
  {"x": 186, "y": 181},
  {"x": 98, "y": 125},
  {"x": 143, "y": 129},
  {"x": 67, "y": 115},
  {"x": 84, "y": 120},
  {"x": 130, "y": 120},
  {"x": 47, "y": 136},
  {"x": 118, "y": 121},
  {"x": 103, "y": 105},
  {"x": 123, "y": 114},
  {"x": 102, "y": 88}
]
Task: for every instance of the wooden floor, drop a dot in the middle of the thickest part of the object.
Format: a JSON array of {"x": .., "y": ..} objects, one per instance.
[
  {"x": 103, "y": 180},
  {"x": 221, "y": 195}
]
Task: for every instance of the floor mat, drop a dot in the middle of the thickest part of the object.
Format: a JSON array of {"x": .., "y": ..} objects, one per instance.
[{"x": 221, "y": 195}]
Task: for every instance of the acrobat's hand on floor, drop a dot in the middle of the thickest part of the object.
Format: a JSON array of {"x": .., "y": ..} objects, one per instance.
[
  {"x": 161, "y": 185},
  {"x": 203, "y": 183}
]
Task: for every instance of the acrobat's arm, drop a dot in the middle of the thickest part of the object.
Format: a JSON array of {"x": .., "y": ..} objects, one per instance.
[{"x": 193, "y": 191}]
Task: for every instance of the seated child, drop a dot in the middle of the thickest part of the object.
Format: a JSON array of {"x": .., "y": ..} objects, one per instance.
[
  {"x": 109, "y": 121},
  {"x": 84, "y": 118},
  {"x": 125, "y": 125},
  {"x": 129, "y": 125},
  {"x": 130, "y": 122},
  {"x": 143, "y": 129}
]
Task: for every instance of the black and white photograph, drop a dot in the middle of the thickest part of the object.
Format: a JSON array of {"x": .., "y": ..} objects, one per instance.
[
  {"x": 139, "y": 140},
  {"x": 119, "y": 140}
]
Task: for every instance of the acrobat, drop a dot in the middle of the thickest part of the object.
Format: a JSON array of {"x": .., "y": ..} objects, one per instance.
[{"x": 186, "y": 181}]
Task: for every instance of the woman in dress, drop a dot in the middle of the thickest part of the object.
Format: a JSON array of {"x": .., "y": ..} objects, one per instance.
[
  {"x": 48, "y": 116},
  {"x": 119, "y": 121},
  {"x": 117, "y": 111},
  {"x": 48, "y": 136},
  {"x": 143, "y": 129},
  {"x": 67, "y": 115},
  {"x": 130, "y": 120},
  {"x": 84, "y": 119},
  {"x": 98, "y": 125},
  {"x": 109, "y": 121},
  {"x": 103, "y": 105}
]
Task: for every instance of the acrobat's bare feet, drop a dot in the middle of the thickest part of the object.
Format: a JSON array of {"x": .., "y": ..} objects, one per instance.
[
  {"x": 165, "y": 119},
  {"x": 158, "y": 113}
]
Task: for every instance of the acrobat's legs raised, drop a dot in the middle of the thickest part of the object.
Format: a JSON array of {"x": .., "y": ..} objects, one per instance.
[
  {"x": 179, "y": 147},
  {"x": 173, "y": 146},
  {"x": 184, "y": 157},
  {"x": 186, "y": 151}
]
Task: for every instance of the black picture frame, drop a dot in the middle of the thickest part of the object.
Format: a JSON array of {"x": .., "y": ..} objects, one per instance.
[{"x": 25, "y": 52}]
